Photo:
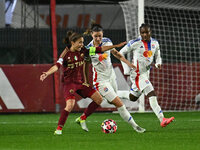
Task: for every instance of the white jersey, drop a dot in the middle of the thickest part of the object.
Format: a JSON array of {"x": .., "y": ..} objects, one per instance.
[
  {"x": 143, "y": 53},
  {"x": 104, "y": 79},
  {"x": 102, "y": 69}
]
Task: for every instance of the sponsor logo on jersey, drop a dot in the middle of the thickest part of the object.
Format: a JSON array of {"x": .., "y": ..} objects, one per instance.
[
  {"x": 153, "y": 45},
  {"x": 147, "y": 53},
  {"x": 76, "y": 64},
  {"x": 141, "y": 46},
  {"x": 105, "y": 89},
  {"x": 71, "y": 91}
]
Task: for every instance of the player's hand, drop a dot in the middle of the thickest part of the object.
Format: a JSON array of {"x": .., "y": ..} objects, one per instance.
[
  {"x": 120, "y": 44},
  {"x": 133, "y": 74},
  {"x": 86, "y": 84},
  {"x": 43, "y": 76},
  {"x": 133, "y": 67},
  {"x": 158, "y": 66}
]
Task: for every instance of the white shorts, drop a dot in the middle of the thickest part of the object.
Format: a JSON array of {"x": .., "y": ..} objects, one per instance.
[
  {"x": 108, "y": 90},
  {"x": 141, "y": 85}
]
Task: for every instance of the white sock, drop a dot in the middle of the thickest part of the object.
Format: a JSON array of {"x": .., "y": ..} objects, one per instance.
[
  {"x": 156, "y": 108},
  {"x": 126, "y": 116}
]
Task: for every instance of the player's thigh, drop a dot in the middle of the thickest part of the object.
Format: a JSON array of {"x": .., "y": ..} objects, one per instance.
[
  {"x": 133, "y": 98},
  {"x": 85, "y": 91},
  {"x": 88, "y": 91},
  {"x": 107, "y": 91},
  {"x": 113, "y": 83},
  {"x": 69, "y": 91}
]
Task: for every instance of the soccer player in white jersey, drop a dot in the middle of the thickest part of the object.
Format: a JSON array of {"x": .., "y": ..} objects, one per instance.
[
  {"x": 144, "y": 49},
  {"x": 104, "y": 79}
]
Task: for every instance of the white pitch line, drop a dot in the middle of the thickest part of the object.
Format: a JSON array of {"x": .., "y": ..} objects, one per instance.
[{"x": 54, "y": 122}]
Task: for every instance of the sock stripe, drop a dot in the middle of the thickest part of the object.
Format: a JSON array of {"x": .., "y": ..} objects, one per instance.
[{"x": 130, "y": 118}]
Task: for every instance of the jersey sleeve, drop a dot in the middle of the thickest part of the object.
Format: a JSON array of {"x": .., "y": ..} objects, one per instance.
[
  {"x": 157, "y": 55},
  {"x": 126, "y": 49},
  {"x": 59, "y": 62},
  {"x": 61, "y": 58},
  {"x": 107, "y": 42}
]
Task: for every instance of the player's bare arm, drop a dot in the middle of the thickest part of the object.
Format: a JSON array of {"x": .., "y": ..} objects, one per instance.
[
  {"x": 44, "y": 75},
  {"x": 122, "y": 58},
  {"x": 105, "y": 48},
  {"x": 86, "y": 73},
  {"x": 54, "y": 68}
]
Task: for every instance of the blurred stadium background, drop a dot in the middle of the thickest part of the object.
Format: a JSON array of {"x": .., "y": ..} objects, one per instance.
[{"x": 30, "y": 42}]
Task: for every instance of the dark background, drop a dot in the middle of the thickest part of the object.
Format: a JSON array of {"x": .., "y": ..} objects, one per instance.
[{"x": 177, "y": 30}]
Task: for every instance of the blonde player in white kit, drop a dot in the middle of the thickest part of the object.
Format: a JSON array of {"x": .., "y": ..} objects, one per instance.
[
  {"x": 104, "y": 79},
  {"x": 144, "y": 49}
]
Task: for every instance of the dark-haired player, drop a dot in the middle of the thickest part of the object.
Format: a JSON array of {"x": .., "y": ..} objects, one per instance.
[
  {"x": 144, "y": 49},
  {"x": 72, "y": 61},
  {"x": 104, "y": 78}
]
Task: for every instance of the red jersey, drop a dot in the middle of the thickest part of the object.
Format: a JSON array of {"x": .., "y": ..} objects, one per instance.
[{"x": 74, "y": 65}]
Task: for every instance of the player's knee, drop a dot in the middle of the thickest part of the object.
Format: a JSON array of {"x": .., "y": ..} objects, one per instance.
[
  {"x": 133, "y": 98},
  {"x": 69, "y": 107},
  {"x": 97, "y": 98}
]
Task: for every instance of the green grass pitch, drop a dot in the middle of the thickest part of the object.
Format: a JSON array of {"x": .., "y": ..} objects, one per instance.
[{"x": 35, "y": 132}]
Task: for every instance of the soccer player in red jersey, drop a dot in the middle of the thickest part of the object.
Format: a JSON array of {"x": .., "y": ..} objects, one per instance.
[{"x": 72, "y": 61}]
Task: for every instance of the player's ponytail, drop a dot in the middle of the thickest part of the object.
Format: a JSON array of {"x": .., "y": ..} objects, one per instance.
[
  {"x": 94, "y": 28},
  {"x": 87, "y": 32},
  {"x": 71, "y": 36},
  {"x": 66, "y": 39}
]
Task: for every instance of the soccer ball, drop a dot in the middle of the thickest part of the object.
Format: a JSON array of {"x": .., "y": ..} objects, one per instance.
[{"x": 109, "y": 126}]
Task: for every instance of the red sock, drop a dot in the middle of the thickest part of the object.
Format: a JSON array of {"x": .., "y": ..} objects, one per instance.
[
  {"x": 59, "y": 128},
  {"x": 83, "y": 117},
  {"x": 88, "y": 111},
  {"x": 62, "y": 120}
]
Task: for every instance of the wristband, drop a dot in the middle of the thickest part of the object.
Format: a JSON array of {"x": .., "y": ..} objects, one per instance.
[{"x": 92, "y": 51}]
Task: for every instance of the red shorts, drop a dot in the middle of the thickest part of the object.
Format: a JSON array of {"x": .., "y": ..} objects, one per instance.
[{"x": 82, "y": 90}]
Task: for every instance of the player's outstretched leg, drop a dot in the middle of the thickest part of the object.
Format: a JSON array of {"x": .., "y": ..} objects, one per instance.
[
  {"x": 88, "y": 111},
  {"x": 128, "y": 118},
  {"x": 58, "y": 132},
  {"x": 61, "y": 122},
  {"x": 159, "y": 113},
  {"x": 166, "y": 121},
  {"x": 139, "y": 129},
  {"x": 82, "y": 123}
]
